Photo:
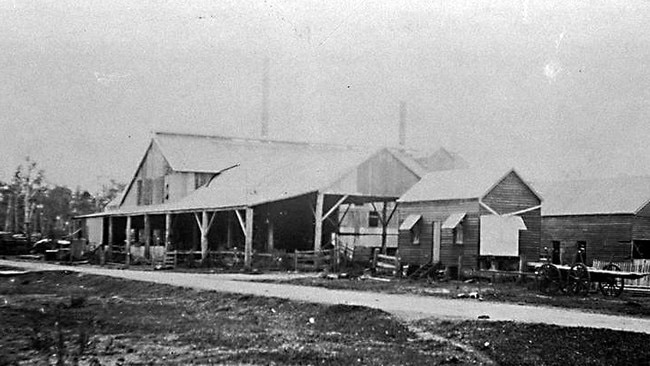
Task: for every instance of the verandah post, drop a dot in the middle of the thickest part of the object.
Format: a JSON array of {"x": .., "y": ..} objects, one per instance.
[
  {"x": 318, "y": 217},
  {"x": 248, "y": 247},
  {"x": 127, "y": 247},
  {"x": 204, "y": 236}
]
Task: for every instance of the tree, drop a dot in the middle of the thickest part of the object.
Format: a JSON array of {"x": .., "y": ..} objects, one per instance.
[
  {"x": 108, "y": 193},
  {"x": 27, "y": 186}
]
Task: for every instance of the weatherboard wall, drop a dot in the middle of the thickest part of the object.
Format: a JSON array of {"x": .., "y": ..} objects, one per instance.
[
  {"x": 606, "y": 236},
  {"x": 512, "y": 194},
  {"x": 431, "y": 212},
  {"x": 509, "y": 195},
  {"x": 159, "y": 184},
  {"x": 382, "y": 175}
]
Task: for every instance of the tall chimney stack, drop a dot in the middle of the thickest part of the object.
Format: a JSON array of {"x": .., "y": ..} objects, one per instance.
[
  {"x": 265, "y": 99},
  {"x": 402, "y": 124}
]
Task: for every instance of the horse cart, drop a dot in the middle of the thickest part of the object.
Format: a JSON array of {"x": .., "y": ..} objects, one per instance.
[{"x": 577, "y": 279}]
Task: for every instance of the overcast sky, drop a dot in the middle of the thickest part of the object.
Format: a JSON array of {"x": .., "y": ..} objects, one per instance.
[{"x": 557, "y": 89}]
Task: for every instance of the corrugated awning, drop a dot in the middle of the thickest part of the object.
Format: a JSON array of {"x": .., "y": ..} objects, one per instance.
[
  {"x": 453, "y": 220},
  {"x": 410, "y": 221}
]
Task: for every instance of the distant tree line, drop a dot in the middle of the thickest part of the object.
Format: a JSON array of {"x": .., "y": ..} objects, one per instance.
[{"x": 29, "y": 205}]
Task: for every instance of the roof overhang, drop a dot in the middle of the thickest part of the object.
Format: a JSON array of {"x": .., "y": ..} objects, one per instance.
[
  {"x": 410, "y": 221},
  {"x": 453, "y": 220}
]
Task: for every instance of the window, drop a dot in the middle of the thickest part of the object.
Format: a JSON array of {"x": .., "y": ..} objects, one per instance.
[
  {"x": 138, "y": 192},
  {"x": 555, "y": 254},
  {"x": 640, "y": 249},
  {"x": 458, "y": 234},
  {"x": 415, "y": 234},
  {"x": 412, "y": 225},
  {"x": 373, "y": 219}
]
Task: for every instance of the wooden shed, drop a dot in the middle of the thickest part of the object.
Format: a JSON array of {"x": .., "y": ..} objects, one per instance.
[
  {"x": 220, "y": 193},
  {"x": 470, "y": 219},
  {"x": 602, "y": 219}
]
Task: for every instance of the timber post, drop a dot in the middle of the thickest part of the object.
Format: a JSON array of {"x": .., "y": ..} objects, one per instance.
[
  {"x": 229, "y": 231},
  {"x": 318, "y": 216},
  {"x": 147, "y": 236},
  {"x": 111, "y": 239},
  {"x": 168, "y": 231},
  {"x": 204, "y": 235},
  {"x": 269, "y": 235},
  {"x": 127, "y": 247},
  {"x": 248, "y": 245},
  {"x": 384, "y": 228}
]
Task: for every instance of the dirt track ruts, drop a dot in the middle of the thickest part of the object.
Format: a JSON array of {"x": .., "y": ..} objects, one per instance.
[{"x": 408, "y": 307}]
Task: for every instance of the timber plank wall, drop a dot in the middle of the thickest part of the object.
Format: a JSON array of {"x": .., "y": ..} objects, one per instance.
[
  {"x": 432, "y": 211},
  {"x": 606, "y": 236},
  {"x": 509, "y": 195}
]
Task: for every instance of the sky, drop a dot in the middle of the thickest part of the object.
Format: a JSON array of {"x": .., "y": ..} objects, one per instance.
[{"x": 555, "y": 89}]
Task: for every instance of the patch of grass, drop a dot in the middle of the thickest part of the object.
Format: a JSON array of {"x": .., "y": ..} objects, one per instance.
[
  {"x": 136, "y": 323},
  {"x": 510, "y": 343},
  {"x": 131, "y": 322}
]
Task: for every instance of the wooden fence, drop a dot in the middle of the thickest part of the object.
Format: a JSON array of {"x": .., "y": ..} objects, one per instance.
[
  {"x": 310, "y": 260},
  {"x": 386, "y": 264},
  {"x": 637, "y": 265}
]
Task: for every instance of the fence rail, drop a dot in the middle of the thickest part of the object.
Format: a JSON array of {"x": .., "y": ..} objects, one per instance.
[
  {"x": 637, "y": 265},
  {"x": 312, "y": 260}
]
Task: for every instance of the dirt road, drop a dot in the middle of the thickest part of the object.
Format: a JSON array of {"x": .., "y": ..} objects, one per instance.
[{"x": 405, "y": 306}]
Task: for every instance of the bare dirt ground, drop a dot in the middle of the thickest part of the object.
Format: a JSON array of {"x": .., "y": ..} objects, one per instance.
[
  {"x": 629, "y": 303},
  {"x": 74, "y": 318},
  {"x": 406, "y": 306}
]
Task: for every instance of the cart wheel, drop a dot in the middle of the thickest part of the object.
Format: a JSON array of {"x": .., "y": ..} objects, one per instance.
[
  {"x": 548, "y": 279},
  {"x": 612, "y": 286},
  {"x": 579, "y": 279}
]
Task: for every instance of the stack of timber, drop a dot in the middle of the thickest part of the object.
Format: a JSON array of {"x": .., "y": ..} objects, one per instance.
[
  {"x": 169, "y": 261},
  {"x": 386, "y": 264}
]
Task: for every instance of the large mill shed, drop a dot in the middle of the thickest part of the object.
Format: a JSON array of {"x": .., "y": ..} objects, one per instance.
[
  {"x": 606, "y": 219},
  {"x": 216, "y": 193},
  {"x": 470, "y": 219}
]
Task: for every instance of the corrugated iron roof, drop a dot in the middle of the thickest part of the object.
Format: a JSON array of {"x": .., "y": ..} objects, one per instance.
[
  {"x": 625, "y": 195},
  {"x": 276, "y": 175},
  {"x": 252, "y": 172},
  {"x": 211, "y": 154},
  {"x": 453, "y": 184}
]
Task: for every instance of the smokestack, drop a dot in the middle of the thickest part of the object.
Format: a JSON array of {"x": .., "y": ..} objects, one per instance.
[
  {"x": 402, "y": 124},
  {"x": 265, "y": 99}
]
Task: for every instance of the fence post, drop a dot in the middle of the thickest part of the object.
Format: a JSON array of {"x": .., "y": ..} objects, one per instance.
[
  {"x": 375, "y": 252},
  {"x": 295, "y": 260},
  {"x": 522, "y": 267}
]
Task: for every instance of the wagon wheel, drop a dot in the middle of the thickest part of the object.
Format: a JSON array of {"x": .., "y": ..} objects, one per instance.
[
  {"x": 613, "y": 285},
  {"x": 579, "y": 279},
  {"x": 549, "y": 279}
]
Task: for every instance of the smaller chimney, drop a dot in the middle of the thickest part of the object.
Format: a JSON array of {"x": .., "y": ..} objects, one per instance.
[
  {"x": 265, "y": 99},
  {"x": 402, "y": 124}
]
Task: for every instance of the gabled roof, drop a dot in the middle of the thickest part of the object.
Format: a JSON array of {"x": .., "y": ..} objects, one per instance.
[
  {"x": 455, "y": 184},
  {"x": 250, "y": 172},
  {"x": 441, "y": 159},
  {"x": 624, "y": 195}
]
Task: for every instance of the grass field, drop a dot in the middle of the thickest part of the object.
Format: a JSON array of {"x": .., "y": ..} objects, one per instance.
[{"x": 69, "y": 318}]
